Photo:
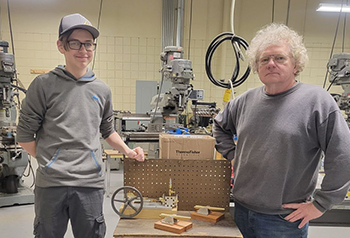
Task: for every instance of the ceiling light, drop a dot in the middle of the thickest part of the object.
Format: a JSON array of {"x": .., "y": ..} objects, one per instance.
[{"x": 329, "y": 7}]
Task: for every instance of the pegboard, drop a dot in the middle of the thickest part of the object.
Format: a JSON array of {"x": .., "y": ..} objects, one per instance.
[{"x": 197, "y": 182}]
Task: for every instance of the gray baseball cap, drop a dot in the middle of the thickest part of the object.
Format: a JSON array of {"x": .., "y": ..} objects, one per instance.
[{"x": 77, "y": 21}]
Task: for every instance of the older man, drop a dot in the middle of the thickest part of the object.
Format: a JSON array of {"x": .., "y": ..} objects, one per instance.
[{"x": 283, "y": 129}]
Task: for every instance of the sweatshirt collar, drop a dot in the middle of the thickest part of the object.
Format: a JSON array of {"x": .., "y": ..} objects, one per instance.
[
  {"x": 87, "y": 77},
  {"x": 290, "y": 90}
]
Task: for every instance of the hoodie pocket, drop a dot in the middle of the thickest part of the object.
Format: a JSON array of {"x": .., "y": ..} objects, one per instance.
[{"x": 77, "y": 163}]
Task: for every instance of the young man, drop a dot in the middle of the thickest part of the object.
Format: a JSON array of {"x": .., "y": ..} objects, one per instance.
[
  {"x": 60, "y": 123},
  {"x": 283, "y": 128}
]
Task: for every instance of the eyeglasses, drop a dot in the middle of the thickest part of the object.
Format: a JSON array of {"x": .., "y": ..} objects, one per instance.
[
  {"x": 76, "y": 45},
  {"x": 278, "y": 59}
]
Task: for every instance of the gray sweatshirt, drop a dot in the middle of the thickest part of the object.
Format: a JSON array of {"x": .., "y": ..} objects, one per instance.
[
  {"x": 280, "y": 141},
  {"x": 65, "y": 117}
]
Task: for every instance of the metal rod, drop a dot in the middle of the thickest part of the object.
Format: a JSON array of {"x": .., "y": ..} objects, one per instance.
[{"x": 180, "y": 13}]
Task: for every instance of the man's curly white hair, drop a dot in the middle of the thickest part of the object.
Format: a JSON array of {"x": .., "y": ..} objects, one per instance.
[{"x": 276, "y": 34}]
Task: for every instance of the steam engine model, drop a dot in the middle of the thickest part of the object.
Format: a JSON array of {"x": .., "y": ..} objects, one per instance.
[
  {"x": 340, "y": 75},
  {"x": 13, "y": 160}
]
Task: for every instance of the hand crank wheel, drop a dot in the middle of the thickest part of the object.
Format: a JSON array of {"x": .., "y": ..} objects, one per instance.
[{"x": 127, "y": 202}]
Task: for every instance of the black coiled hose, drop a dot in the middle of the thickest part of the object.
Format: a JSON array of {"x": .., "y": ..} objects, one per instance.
[{"x": 212, "y": 47}]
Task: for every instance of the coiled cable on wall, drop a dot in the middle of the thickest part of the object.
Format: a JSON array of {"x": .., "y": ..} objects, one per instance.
[{"x": 236, "y": 42}]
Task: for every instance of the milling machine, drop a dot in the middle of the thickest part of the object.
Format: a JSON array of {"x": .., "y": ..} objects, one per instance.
[
  {"x": 13, "y": 160},
  {"x": 167, "y": 107},
  {"x": 339, "y": 69}
]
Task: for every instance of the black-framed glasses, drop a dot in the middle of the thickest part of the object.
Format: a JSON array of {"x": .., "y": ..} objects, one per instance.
[{"x": 76, "y": 45}]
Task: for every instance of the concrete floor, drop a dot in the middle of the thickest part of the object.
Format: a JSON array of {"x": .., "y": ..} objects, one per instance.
[{"x": 17, "y": 221}]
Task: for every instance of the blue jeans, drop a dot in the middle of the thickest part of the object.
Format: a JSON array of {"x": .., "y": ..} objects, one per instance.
[{"x": 258, "y": 225}]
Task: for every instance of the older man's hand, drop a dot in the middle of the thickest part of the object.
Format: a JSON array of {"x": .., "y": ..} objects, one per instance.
[{"x": 303, "y": 211}]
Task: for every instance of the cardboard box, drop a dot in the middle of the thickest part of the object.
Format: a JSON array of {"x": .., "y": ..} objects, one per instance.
[{"x": 186, "y": 146}]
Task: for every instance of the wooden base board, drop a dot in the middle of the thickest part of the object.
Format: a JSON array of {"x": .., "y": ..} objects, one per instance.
[
  {"x": 177, "y": 228},
  {"x": 213, "y": 217}
]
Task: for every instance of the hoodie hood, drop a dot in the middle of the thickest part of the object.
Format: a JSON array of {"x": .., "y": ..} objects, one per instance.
[{"x": 60, "y": 70}]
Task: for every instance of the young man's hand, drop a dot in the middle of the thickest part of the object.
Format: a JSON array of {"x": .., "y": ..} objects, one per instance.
[{"x": 137, "y": 154}]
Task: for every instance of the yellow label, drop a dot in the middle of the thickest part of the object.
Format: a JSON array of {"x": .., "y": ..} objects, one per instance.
[{"x": 227, "y": 95}]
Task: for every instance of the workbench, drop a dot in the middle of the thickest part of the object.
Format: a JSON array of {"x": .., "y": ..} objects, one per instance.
[{"x": 142, "y": 227}]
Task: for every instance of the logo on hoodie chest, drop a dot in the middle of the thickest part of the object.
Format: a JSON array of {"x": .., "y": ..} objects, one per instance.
[{"x": 96, "y": 98}]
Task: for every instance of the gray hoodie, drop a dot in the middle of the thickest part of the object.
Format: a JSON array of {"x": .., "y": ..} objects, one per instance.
[{"x": 65, "y": 117}]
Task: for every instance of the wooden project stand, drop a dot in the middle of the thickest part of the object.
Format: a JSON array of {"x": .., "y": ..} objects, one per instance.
[
  {"x": 177, "y": 228},
  {"x": 212, "y": 216},
  {"x": 171, "y": 223}
]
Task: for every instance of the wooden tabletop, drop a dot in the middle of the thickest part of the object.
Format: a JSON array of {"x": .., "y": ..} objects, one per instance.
[
  {"x": 142, "y": 227},
  {"x": 116, "y": 153},
  {"x": 113, "y": 152}
]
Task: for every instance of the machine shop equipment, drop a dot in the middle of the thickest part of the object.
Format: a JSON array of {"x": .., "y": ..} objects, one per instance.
[
  {"x": 169, "y": 109},
  {"x": 130, "y": 122},
  {"x": 339, "y": 69},
  {"x": 132, "y": 127},
  {"x": 13, "y": 160},
  {"x": 167, "y": 113},
  {"x": 179, "y": 71},
  {"x": 166, "y": 107},
  {"x": 203, "y": 114}
]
